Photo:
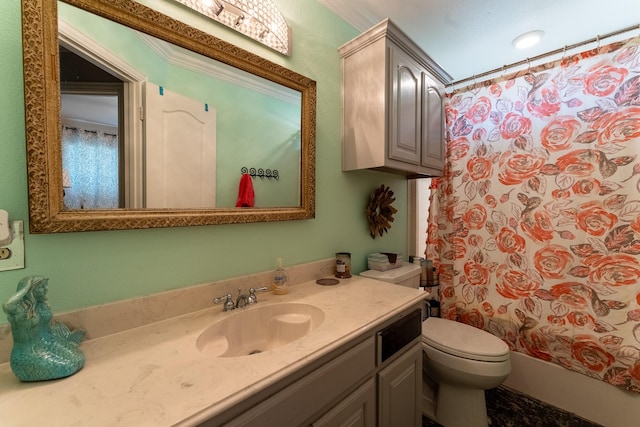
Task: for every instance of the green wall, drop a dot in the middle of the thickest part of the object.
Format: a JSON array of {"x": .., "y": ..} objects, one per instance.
[{"x": 91, "y": 268}]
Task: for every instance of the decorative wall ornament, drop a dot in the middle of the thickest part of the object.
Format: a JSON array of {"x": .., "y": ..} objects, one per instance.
[
  {"x": 380, "y": 212},
  {"x": 43, "y": 349}
]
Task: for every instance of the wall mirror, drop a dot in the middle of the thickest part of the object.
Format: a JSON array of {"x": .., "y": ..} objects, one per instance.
[{"x": 137, "y": 120}]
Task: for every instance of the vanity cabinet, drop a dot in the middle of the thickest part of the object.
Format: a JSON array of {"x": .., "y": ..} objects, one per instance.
[
  {"x": 376, "y": 382},
  {"x": 392, "y": 104},
  {"x": 356, "y": 367},
  {"x": 400, "y": 390},
  {"x": 320, "y": 389},
  {"x": 357, "y": 409},
  {"x": 398, "y": 395}
]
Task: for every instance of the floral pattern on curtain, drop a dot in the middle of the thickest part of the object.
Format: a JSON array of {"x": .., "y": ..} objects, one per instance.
[{"x": 535, "y": 225}]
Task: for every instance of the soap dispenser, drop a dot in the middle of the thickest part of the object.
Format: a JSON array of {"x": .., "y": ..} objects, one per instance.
[{"x": 280, "y": 277}]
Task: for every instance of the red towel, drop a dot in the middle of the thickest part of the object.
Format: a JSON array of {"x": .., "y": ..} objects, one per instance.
[{"x": 246, "y": 196}]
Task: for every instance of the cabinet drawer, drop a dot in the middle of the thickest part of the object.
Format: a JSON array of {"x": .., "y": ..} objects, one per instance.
[
  {"x": 399, "y": 334},
  {"x": 296, "y": 403}
]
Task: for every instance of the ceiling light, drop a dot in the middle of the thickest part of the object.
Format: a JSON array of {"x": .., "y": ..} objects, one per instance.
[
  {"x": 527, "y": 40},
  {"x": 259, "y": 19}
]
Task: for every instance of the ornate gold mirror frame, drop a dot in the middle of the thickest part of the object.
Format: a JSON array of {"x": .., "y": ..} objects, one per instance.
[{"x": 43, "y": 130}]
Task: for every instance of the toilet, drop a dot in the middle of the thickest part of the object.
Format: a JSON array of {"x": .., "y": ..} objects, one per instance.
[
  {"x": 459, "y": 362},
  {"x": 462, "y": 361}
]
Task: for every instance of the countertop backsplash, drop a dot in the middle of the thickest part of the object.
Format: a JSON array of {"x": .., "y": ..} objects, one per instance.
[{"x": 111, "y": 318}]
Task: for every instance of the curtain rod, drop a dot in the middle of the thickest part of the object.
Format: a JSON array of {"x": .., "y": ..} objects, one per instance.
[{"x": 544, "y": 55}]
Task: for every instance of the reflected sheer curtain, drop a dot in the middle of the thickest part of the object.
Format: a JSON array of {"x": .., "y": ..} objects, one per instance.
[{"x": 90, "y": 160}]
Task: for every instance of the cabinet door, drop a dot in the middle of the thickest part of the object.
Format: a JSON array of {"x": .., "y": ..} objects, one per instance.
[
  {"x": 432, "y": 124},
  {"x": 400, "y": 391},
  {"x": 356, "y": 410},
  {"x": 405, "y": 127},
  {"x": 320, "y": 389}
]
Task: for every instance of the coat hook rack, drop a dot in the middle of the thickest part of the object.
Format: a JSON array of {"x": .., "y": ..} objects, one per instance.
[{"x": 261, "y": 173}]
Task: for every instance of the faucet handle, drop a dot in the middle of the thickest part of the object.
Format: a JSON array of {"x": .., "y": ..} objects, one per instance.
[
  {"x": 227, "y": 300},
  {"x": 252, "y": 294}
]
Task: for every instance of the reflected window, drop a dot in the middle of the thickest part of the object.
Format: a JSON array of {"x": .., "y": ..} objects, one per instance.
[{"x": 91, "y": 172}]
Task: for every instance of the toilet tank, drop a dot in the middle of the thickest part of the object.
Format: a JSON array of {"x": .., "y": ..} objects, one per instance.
[{"x": 407, "y": 275}]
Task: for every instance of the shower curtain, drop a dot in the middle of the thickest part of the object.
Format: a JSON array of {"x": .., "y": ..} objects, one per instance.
[{"x": 535, "y": 225}]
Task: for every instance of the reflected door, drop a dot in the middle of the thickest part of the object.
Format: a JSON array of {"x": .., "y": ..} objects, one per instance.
[{"x": 180, "y": 152}]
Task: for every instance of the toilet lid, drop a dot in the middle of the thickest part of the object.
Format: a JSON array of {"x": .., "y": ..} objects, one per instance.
[{"x": 463, "y": 340}]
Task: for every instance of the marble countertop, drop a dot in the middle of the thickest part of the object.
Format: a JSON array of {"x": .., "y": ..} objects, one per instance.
[{"x": 155, "y": 376}]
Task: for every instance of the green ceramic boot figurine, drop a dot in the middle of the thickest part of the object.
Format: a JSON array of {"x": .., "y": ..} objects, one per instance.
[{"x": 42, "y": 348}]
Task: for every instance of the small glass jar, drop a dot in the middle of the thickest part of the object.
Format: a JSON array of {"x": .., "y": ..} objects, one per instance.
[{"x": 343, "y": 265}]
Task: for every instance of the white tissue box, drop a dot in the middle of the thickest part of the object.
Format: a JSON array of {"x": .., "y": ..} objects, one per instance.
[{"x": 381, "y": 262}]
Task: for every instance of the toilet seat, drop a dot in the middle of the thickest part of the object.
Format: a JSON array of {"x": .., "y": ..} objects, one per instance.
[{"x": 463, "y": 340}]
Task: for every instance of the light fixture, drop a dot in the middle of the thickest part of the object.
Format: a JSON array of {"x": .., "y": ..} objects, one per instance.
[
  {"x": 259, "y": 19},
  {"x": 528, "y": 39}
]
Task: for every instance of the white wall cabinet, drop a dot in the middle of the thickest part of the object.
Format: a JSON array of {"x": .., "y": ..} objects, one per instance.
[{"x": 392, "y": 104}]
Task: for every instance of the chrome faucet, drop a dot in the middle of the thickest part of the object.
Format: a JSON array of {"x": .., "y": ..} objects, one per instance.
[
  {"x": 252, "y": 294},
  {"x": 242, "y": 300},
  {"x": 226, "y": 300}
]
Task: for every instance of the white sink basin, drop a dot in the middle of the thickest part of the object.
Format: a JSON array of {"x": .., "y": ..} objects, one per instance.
[{"x": 259, "y": 328}]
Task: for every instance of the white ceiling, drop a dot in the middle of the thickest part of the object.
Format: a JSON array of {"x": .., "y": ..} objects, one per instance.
[
  {"x": 470, "y": 37},
  {"x": 93, "y": 109}
]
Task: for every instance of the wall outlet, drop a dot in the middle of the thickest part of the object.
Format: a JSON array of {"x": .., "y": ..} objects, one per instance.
[
  {"x": 5, "y": 229},
  {"x": 5, "y": 253},
  {"x": 12, "y": 255}
]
